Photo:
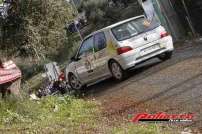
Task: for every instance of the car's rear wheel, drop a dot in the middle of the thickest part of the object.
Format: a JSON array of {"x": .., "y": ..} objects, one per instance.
[
  {"x": 165, "y": 56},
  {"x": 74, "y": 82},
  {"x": 116, "y": 70}
]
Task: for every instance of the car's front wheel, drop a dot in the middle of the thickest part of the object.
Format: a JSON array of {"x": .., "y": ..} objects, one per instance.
[
  {"x": 116, "y": 70},
  {"x": 74, "y": 82},
  {"x": 165, "y": 56}
]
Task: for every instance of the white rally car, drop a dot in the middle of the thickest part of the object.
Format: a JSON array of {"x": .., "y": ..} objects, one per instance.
[{"x": 113, "y": 50}]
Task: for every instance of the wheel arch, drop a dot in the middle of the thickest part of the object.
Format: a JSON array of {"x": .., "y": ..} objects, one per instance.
[
  {"x": 112, "y": 59},
  {"x": 69, "y": 73}
]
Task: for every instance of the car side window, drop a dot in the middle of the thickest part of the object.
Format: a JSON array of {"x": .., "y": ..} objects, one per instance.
[
  {"x": 87, "y": 46},
  {"x": 100, "y": 41}
]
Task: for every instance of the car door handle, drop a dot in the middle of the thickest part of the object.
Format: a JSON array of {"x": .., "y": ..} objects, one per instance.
[{"x": 90, "y": 71}]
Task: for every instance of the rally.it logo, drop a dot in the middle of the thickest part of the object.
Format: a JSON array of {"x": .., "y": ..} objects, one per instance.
[{"x": 162, "y": 117}]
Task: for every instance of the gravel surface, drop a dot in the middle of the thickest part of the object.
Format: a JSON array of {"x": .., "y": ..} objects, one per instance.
[{"x": 173, "y": 86}]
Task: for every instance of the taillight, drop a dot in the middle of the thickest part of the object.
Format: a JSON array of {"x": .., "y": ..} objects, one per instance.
[
  {"x": 122, "y": 50},
  {"x": 62, "y": 76},
  {"x": 164, "y": 34}
]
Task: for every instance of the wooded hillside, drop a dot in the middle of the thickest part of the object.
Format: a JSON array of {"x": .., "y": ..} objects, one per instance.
[{"x": 36, "y": 29}]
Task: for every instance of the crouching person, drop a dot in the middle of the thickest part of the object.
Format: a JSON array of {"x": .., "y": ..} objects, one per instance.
[{"x": 10, "y": 79}]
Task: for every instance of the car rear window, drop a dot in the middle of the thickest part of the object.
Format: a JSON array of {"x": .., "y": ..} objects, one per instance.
[{"x": 133, "y": 28}]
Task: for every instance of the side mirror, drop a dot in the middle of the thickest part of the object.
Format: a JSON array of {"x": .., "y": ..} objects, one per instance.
[{"x": 74, "y": 58}]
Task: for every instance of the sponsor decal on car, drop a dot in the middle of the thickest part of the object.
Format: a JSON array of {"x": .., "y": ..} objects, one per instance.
[{"x": 111, "y": 48}]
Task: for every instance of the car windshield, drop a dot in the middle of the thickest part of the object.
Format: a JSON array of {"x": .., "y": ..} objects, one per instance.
[{"x": 133, "y": 28}]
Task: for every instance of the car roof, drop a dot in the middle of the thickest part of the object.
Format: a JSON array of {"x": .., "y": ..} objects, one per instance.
[{"x": 113, "y": 25}]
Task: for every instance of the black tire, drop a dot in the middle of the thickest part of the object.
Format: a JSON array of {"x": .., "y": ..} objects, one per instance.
[
  {"x": 117, "y": 76},
  {"x": 72, "y": 85},
  {"x": 165, "y": 56}
]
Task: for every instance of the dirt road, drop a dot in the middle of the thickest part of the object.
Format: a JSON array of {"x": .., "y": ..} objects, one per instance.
[{"x": 173, "y": 86}]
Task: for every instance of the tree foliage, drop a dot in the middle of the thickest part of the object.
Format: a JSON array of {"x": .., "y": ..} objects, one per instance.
[{"x": 38, "y": 29}]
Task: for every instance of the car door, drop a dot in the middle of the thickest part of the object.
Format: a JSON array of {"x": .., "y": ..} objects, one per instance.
[
  {"x": 101, "y": 57},
  {"x": 84, "y": 65}
]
